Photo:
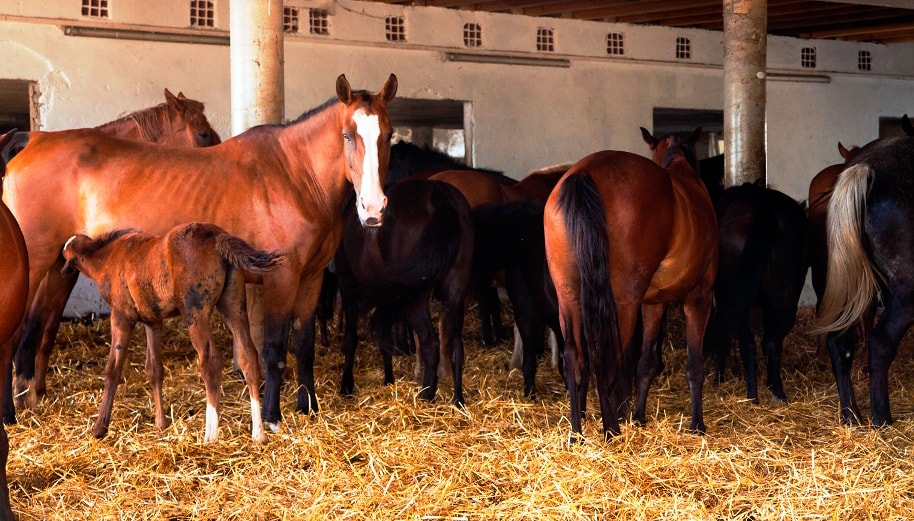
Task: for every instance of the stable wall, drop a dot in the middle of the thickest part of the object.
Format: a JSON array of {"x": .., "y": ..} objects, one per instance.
[{"x": 522, "y": 117}]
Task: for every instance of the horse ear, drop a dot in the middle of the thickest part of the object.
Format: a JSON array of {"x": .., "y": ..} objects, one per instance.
[
  {"x": 176, "y": 103},
  {"x": 906, "y": 125},
  {"x": 343, "y": 89},
  {"x": 648, "y": 138},
  {"x": 843, "y": 151},
  {"x": 390, "y": 88},
  {"x": 181, "y": 96},
  {"x": 695, "y": 135}
]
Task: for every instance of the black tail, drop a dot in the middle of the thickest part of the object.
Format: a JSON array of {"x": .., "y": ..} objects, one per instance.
[{"x": 585, "y": 221}]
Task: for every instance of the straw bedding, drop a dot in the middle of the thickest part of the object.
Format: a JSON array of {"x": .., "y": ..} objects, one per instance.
[{"x": 384, "y": 454}]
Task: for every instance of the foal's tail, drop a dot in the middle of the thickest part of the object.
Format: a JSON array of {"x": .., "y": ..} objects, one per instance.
[
  {"x": 851, "y": 285},
  {"x": 585, "y": 220},
  {"x": 241, "y": 255}
]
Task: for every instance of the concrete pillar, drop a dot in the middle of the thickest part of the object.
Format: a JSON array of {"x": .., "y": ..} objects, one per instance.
[
  {"x": 257, "y": 63},
  {"x": 257, "y": 92},
  {"x": 745, "y": 51}
]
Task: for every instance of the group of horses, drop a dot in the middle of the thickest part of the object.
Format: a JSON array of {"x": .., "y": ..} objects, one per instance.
[{"x": 593, "y": 251}]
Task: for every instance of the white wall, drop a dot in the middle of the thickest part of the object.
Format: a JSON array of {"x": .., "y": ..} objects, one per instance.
[{"x": 524, "y": 117}]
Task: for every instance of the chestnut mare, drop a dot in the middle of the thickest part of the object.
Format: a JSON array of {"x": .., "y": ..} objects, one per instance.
[
  {"x": 625, "y": 234},
  {"x": 278, "y": 187},
  {"x": 14, "y": 290},
  {"x": 177, "y": 122}
]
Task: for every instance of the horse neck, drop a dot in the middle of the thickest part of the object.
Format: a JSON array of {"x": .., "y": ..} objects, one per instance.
[
  {"x": 148, "y": 125},
  {"x": 320, "y": 167}
]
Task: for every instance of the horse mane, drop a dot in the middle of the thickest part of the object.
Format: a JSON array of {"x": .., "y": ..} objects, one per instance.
[
  {"x": 93, "y": 245},
  {"x": 147, "y": 121}
]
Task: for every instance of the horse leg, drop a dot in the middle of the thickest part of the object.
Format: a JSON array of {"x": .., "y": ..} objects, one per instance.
[
  {"x": 350, "y": 342},
  {"x": 749, "y": 356},
  {"x": 779, "y": 320},
  {"x": 697, "y": 310},
  {"x": 652, "y": 320},
  {"x": 57, "y": 291},
  {"x": 841, "y": 351},
  {"x": 883, "y": 345},
  {"x": 277, "y": 319},
  {"x": 428, "y": 346},
  {"x": 576, "y": 382},
  {"x": 6, "y": 513},
  {"x": 121, "y": 329},
  {"x": 232, "y": 306},
  {"x": 450, "y": 327},
  {"x": 155, "y": 373},
  {"x": 209, "y": 357}
]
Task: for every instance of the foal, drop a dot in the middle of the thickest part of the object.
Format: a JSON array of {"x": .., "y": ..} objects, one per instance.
[{"x": 189, "y": 271}]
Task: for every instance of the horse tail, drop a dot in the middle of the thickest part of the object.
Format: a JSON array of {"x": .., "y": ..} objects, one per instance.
[
  {"x": 240, "y": 254},
  {"x": 851, "y": 285},
  {"x": 585, "y": 221}
]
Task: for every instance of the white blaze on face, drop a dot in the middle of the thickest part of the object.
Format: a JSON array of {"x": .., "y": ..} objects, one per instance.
[{"x": 371, "y": 199}]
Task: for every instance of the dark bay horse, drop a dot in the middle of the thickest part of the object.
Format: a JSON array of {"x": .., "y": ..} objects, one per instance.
[
  {"x": 409, "y": 160},
  {"x": 761, "y": 264},
  {"x": 278, "y": 187},
  {"x": 625, "y": 234},
  {"x": 179, "y": 122},
  {"x": 425, "y": 248},
  {"x": 871, "y": 244},
  {"x": 190, "y": 271},
  {"x": 14, "y": 290}
]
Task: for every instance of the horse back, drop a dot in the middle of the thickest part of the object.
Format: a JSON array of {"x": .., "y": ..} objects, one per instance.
[{"x": 477, "y": 187}]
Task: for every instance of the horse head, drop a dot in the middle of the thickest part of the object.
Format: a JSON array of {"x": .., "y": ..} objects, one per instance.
[
  {"x": 367, "y": 133},
  {"x": 670, "y": 146},
  {"x": 187, "y": 120}
]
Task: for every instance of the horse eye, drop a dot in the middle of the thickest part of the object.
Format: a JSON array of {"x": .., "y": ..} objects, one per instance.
[
  {"x": 203, "y": 134},
  {"x": 347, "y": 138}
]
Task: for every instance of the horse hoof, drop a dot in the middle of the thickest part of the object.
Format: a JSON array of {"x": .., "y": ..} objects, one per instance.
[
  {"x": 272, "y": 427},
  {"x": 99, "y": 433}
]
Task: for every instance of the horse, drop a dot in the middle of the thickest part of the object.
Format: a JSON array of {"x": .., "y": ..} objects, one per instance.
[
  {"x": 761, "y": 263},
  {"x": 278, "y": 187},
  {"x": 409, "y": 160},
  {"x": 871, "y": 247},
  {"x": 14, "y": 265},
  {"x": 626, "y": 234},
  {"x": 190, "y": 271},
  {"x": 178, "y": 122},
  {"x": 425, "y": 248},
  {"x": 509, "y": 239}
]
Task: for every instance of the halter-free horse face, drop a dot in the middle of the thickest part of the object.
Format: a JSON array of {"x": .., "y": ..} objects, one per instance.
[
  {"x": 193, "y": 269},
  {"x": 278, "y": 187},
  {"x": 626, "y": 235}
]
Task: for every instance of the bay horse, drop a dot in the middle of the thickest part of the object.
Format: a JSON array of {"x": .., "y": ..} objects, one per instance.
[
  {"x": 410, "y": 160},
  {"x": 180, "y": 122},
  {"x": 14, "y": 289},
  {"x": 190, "y": 271},
  {"x": 278, "y": 187},
  {"x": 626, "y": 234},
  {"x": 424, "y": 249},
  {"x": 871, "y": 246}
]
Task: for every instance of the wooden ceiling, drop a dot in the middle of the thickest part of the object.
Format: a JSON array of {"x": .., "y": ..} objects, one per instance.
[{"x": 881, "y": 21}]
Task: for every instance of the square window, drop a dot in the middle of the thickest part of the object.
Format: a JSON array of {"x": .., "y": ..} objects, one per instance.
[
  {"x": 290, "y": 19},
  {"x": 395, "y": 29},
  {"x": 683, "y": 48},
  {"x": 615, "y": 44},
  {"x": 864, "y": 61},
  {"x": 202, "y": 13},
  {"x": 318, "y": 21},
  {"x": 808, "y": 57},
  {"x": 472, "y": 35},
  {"x": 545, "y": 39},
  {"x": 95, "y": 8}
]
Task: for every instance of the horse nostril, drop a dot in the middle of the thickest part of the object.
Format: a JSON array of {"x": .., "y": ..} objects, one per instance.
[{"x": 372, "y": 221}]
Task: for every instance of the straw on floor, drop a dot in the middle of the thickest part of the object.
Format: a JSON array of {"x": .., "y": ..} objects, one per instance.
[{"x": 385, "y": 455}]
